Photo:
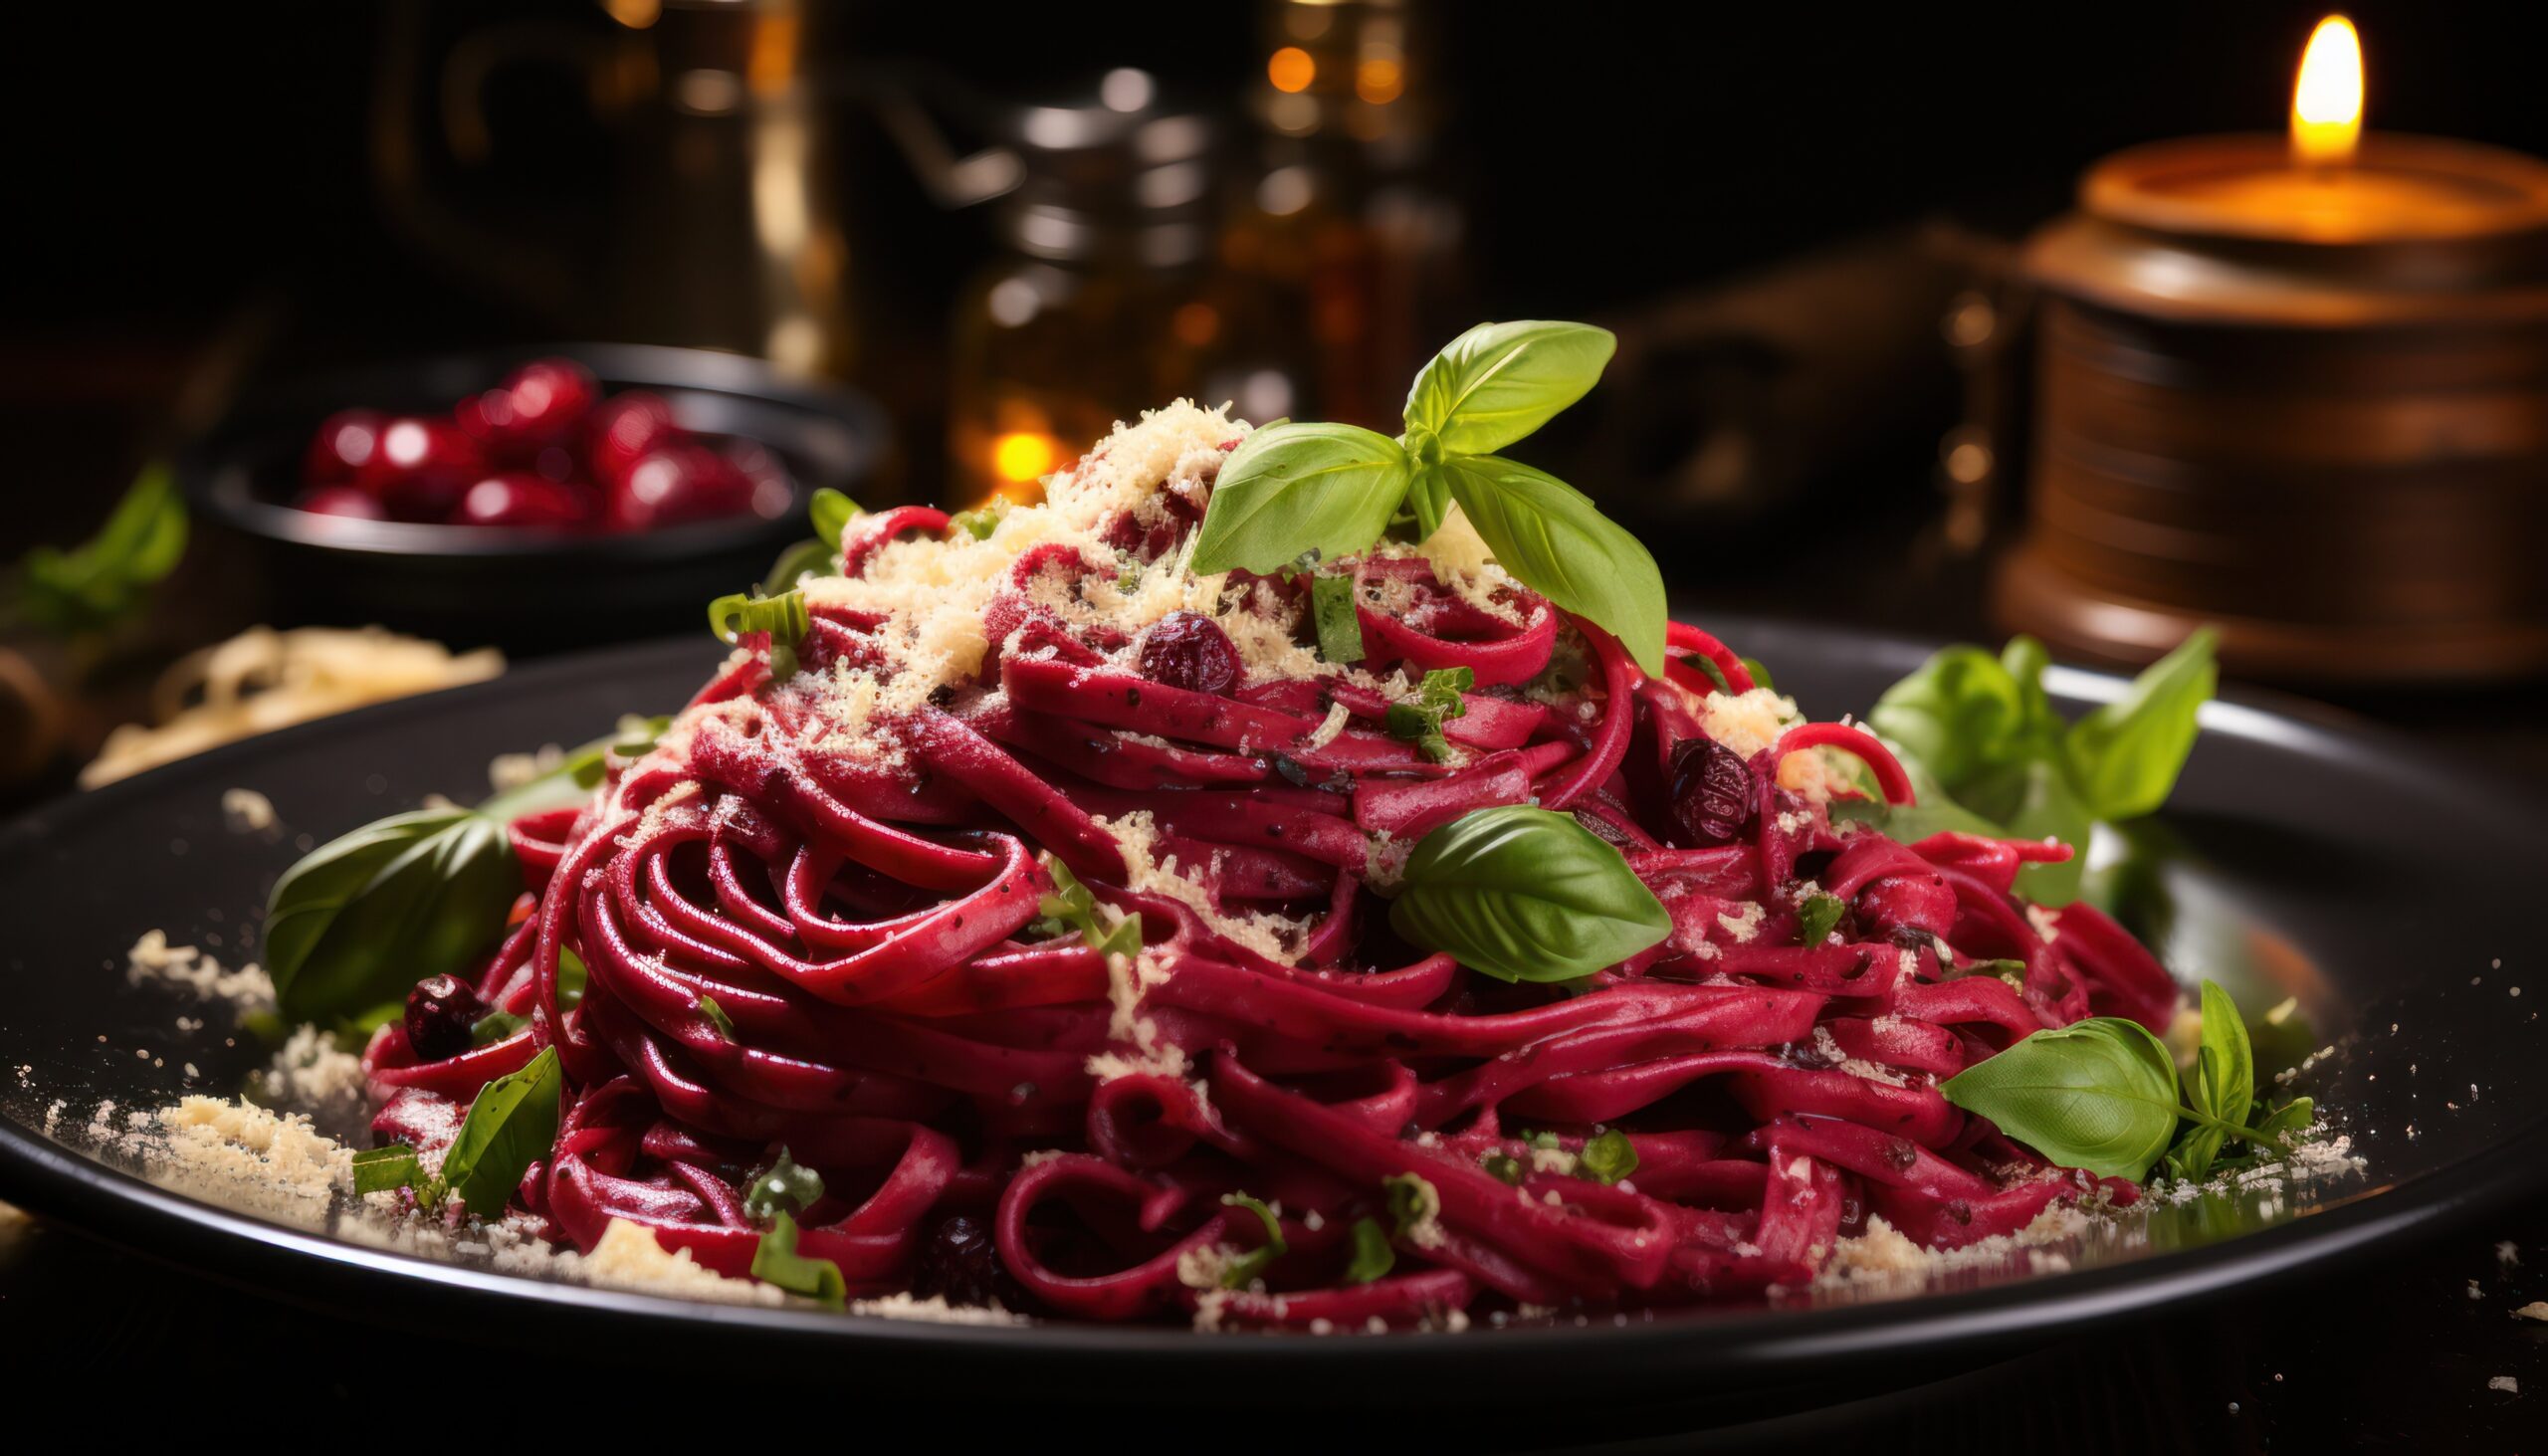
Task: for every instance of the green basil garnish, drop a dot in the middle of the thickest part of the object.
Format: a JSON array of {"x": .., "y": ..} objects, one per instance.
[
  {"x": 1498, "y": 382},
  {"x": 1561, "y": 545},
  {"x": 788, "y": 1187},
  {"x": 776, "y": 1262},
  {"x": 363, "y": 918},
  {"x": 387, "y": 1170},
  {"x": 1607, "y": 1157},
  {"x": 1251, "y": 1266},
  {"x": 1411, "y": 1201},
  {"x": 717, "y": 1017},
  {"x": 1373, "y": 1256},
  {"x": 1525, "y": 895},
  {"x": 1071, "y": 908},
  {"x": 104, "y": 582},
  {"x": 1340, "y": 627},
  {"x": 495, "y": 1026},
  {"x": 1504, "y": 1168},
  {"x": 830, "y": 510},
  {"x": 1987, "y": 755},
  {"x": 784, "y": 617},
  {"x": 1818, "y": 917},
  {"x": 512, "y": 1125},
  {"x": 2099, "y": 1095},
  {"x": 1294, "y": 487},
  {"x": 1418, "y": 719},
  {"x": 2223, "y": 1081}
]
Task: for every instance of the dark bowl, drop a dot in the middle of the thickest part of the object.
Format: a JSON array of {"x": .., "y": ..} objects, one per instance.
[{"x": 523, "y": 590}]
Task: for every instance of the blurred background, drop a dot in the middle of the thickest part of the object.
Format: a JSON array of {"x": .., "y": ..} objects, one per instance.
[{"x": 961, "y": 241}]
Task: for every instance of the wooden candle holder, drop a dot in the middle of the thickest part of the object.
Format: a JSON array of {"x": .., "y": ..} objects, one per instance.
[{"x": 2318, "y": 418}]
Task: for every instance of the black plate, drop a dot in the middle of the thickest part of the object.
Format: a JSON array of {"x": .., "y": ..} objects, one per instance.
[
  {"x": 524, "y": 589},
  {"x": 2301, "y": 857}
]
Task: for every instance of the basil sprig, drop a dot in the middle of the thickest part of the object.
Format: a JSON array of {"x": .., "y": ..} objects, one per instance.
[
  {"x": 1335, "y": 489},
  {"x": 1418, "y": 719},
  {"x": 106, "y": 581},
  {"x": 361, "y": 919},
  {"x": 2102, "y": 1095},
  {"x": 1525, "y": 895},
  {"x": 1989, "y": 756}
]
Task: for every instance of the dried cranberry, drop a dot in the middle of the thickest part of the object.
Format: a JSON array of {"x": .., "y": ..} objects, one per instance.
[
  {"x": 678, "y": 481},
  {"x": 624, "y": 428},
  {"x": 550, "y": 397},
  {"x": 1190, "y": 652},
  {"x": 1906, "y": 901},
  {"x": 1711, "y": 792},
  {"x": 442, "y": 1011},
  {"x": 960, "y": 1263},
  {"x": 421, "y": 467},
  {"x": 342, "y": 447}
]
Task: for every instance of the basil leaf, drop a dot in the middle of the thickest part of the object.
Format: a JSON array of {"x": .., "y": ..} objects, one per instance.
[
  {"x": 1428, "y": 497},
  {"x": 2011, "y": 972},
  {"x": 102, "y": 582},
  {"x": 2125, "y": 756},
  {"x": 788, "y": 1187},
  {"x": 1959, "y": 714},
  {"x": 2287, "y": 1120},
  {"x": 1411, "y": 1201},
  {"x": 2048, "y": 808},
  {"x": 1524, "y": 894},
  {"x": 2100, "y": 1094},
  {"x": 830, "y": 511},
  {"x": 363, "y": 918},
  {"x": 1438, "y": 699},
  {"x": 1560, "y": 544},
  {"x": 1373, "y": 1256},
  {"x": 1818, "y": 917},
  {"x": 2223, "y": 1081},
  {"x": 1606, "y": 1159},
  {"x": 512, "y": 1125},
  {"x": 1251, "y": 1266},
  {"x": 571, "y": 979},
  {"x": 1500, "y": 381},
  {"x": 1339, "y": 629},
  {"x": 387, "y": 1170},
  {"x": 775, "y": 1261},
  {"x": 1294, "y": 487}
]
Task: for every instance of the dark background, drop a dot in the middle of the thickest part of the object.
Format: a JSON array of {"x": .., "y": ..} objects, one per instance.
[{"x": 183, "y": 175}]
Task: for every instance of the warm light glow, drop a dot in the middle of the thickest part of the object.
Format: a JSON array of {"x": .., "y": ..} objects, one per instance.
[
  {"x": 1021, "y": 456},
  {"x": 2326, "y": 104},
  {"x": 1291, "y": 69},
  {"x": 1379, "y": 80}
]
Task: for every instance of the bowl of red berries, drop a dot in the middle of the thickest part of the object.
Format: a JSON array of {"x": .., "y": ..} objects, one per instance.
[{"x": 536, "y": 498}]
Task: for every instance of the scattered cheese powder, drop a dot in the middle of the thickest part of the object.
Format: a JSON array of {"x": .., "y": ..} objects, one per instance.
[
  {"x": 153, "y": 959},
  {"x": 243, "y": 1156}
]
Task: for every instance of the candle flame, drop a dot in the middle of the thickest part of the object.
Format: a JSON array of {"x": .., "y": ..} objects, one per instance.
[{"x": 2326, "y": 104}]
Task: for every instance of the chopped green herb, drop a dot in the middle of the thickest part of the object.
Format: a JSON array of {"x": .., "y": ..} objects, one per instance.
[
  {"x": 788, "y": 1188},
  {"x": 775, "y": 1261},
  {"x": 1760, "y": 673},
  {"x": 1606, "y": 1159},
  {"x": 1546, "y": 1142},
  {"x": 104, "y": 583},
  {"x": 1716, "y": 674},
  {"x": 784, "y": 617},
  {"x": 1418, "y": 719},
  {"x": 1411, "y": 1201},
  {"x": 1819, "y": 916},
  {"x": 1504, "y": 1168},
  {"x": 830, "y": 510},
  {"x": 2011, "y": 971},
  {"x": 571, "y": 979},
  {"x": 387, "y": 1170},
  {"x": 979, "y": 521},
  {"x": 1373, "y": 1256},
  {"x": 1071, "y": 907},
  {"x": 1251, "y": 1266},
  {"x": 717, "y": 1017},
  {"x": 511, "y": 1125},
  {"x": 1340, "y": 631}
]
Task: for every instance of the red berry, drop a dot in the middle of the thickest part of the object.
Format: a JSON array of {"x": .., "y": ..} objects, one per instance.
[
  {"x": 679, "y": 481},
  {"x": 550, "y": 397},
  {"x": 624, "y": 428},
  {"x": 421, "y": 467},
  {"x": 342, "y": 501},
  {"x": 442, "y": 1014},
  {"x": 518, "y": 497},
  {"x": 960, "y": 1264},
  {"x": 1190, "y": 652},
  {"x": 343, "y": 445}
]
